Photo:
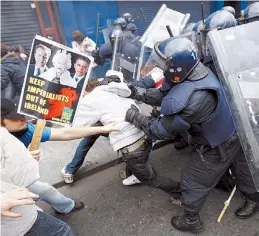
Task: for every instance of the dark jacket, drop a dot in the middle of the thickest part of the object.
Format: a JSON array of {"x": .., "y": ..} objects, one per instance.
[{"x": 13, "y": 70}]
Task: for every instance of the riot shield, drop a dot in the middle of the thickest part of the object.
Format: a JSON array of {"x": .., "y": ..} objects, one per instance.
[
  {"x": 157, "y": 31},
  {"x": 235, "y": 54},
  {"x": 125, "y": 54}
]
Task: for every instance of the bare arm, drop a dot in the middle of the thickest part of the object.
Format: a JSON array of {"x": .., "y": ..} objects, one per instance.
[{"x": 66, "y": 134}]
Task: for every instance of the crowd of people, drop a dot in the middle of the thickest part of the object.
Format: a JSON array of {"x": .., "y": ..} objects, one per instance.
[{"x": 191, "y": 105}]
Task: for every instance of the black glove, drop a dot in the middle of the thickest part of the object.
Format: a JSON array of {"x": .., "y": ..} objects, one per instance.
[
  {"x": 135, "y": 117},
  {"x": 133, "y": 91},
  {"x": 95, "y": 53},
  {"x": 155, "y": 112},
  {"x": 113, "y": 78}
]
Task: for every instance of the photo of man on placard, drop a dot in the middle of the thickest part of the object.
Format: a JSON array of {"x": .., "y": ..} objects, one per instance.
[{"x": 41, "y": 57}]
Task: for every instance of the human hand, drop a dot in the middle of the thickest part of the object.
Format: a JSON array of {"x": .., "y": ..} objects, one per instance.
[
  {"x": 17, "y": 197},
  {"x": 35, "y": 154},
  {"x": 110, "y": 127}
]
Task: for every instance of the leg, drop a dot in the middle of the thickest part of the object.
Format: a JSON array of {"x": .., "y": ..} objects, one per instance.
[
  {"x": 81, "y": 151},
  {"x": 52, "y": 196},
  {"x": 46, "y": 224},
  {"x": 246, "y": 186},
  {"x": 198, "y": 178},
  {"x": 137, "y": 162}
]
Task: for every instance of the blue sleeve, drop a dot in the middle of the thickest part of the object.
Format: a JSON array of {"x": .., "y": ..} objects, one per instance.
[
  {"x": 27, "y": 137},
  {"x": 46, "y": 134}
]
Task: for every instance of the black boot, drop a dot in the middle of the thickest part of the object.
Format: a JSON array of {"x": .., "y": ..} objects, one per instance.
[
  {"x": 247, "y": 210},
  {"x": 189, "y": 222}
]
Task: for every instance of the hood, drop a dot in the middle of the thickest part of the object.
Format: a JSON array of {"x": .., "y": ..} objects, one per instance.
[
  {"x": 11, "y": 57},
  {"x": 120, "y": 89}
]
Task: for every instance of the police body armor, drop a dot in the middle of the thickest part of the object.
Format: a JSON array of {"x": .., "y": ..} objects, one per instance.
[{"x": 219, "y": 127}]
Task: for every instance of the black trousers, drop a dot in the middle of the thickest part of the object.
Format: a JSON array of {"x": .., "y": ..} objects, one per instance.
[
  {"x": 202, "y": 173},
  {"x": 138, "y": 164}
]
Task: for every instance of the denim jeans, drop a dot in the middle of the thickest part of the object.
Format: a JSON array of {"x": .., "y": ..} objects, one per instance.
[
  {"x": 52, "y": 196},
  {"x": 46, "y": 224},
  {"x": 81, "y": 151}
]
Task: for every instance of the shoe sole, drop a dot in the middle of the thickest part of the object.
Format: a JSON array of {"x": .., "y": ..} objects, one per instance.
[
  {"x": 247, "y": 217},
  {"x": 195, "y": 231}
]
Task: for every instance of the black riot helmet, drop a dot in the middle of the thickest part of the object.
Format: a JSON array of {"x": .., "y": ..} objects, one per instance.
[
  {"x": 127, "y": 16},
  {"x": 230, "y": 9},
  {"x": 218, "y": 20},
  {"x": 177, "y": 57},
  {"x": 120, "y": 22},
  {"x": 250, "y": 14}
]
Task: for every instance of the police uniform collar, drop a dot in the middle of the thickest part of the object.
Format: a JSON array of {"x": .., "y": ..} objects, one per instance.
[{"x": 199, "y": 72}]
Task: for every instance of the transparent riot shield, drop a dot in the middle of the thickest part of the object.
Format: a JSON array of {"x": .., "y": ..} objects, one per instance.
[
  {"x": 235, "y": 52},
  {"x": 157, "y": 31},
  {"x": 126, "y": 52}
]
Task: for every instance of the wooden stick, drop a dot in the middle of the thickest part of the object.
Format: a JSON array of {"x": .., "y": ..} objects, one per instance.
[
  {"x": 36, "y": 138},
  {"x": 226, "y": 204}
]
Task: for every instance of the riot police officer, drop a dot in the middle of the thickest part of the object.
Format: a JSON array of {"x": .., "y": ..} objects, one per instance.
[
  {"x": 131, "y": 26},
  {"x": 250, "y": 14},
  {"x": 192, "y": 101},
  {"x": 230, "y": 9}
]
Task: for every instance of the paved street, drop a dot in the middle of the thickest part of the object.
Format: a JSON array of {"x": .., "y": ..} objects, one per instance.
[{"x": 116, "y": 210}]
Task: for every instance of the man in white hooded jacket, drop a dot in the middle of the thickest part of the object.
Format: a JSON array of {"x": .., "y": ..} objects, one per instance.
[{"x": 105, "y": 104}]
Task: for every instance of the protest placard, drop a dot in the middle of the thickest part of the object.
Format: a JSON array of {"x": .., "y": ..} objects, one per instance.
[{"x": 55, "y": 81}]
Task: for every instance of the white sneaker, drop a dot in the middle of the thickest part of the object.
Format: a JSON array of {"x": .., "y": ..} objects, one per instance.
[
  {"x": 131, "y": 180},
  {"x": 68, "y": 178}
]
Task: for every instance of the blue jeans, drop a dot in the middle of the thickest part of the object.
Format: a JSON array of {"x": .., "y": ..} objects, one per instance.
[
  {"x": 52, "y": 196},
  {"x": 46, "y": 224},
  {"x": 81, "y": 151}
]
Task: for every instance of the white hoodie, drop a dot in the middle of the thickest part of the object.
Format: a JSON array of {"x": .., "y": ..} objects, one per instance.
[{"x": 105, "y": 105}]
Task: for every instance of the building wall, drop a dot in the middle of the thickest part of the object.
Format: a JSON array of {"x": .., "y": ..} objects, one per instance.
[
  {"x": 19, "y": 23},
  {"x": 82, "y": 15}
]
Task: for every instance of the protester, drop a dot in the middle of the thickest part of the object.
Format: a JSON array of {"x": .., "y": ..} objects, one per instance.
[
  {"x": 130, "y": 141},
  {"x": 13, "y": 71},
  {"x": 82, "y": 44},
  {"x": 16, "y": 124},
  {"x": 19, "y": 214}
]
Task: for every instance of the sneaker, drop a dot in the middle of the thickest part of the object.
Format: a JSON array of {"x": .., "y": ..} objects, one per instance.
[
  {"x": 78, "y": 206},
  {"x": 68, "y": 178},
  {"x": 131, "y": 180}
]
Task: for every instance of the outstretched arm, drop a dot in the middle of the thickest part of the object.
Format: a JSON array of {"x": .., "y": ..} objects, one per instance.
[{"x": 66, "y": 134}]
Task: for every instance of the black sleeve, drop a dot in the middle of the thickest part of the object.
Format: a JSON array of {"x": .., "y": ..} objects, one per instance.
[
  {"x": 146, "y": 82},
  {"x": 151, "y": 97}
]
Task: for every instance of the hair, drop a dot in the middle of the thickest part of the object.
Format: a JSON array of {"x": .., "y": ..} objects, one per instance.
[
  {"x": 2, "y": 122},
  {"x": 4, "y": 49},
  {"x": 83, "y": 59},
  {"x": 64, "y": 52},
  {"x": 46, "y": 49},
  {"x": 91, "y": 85},
  {"x": 40, "y": 46},
  {"x": 78, "y": 36}
]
